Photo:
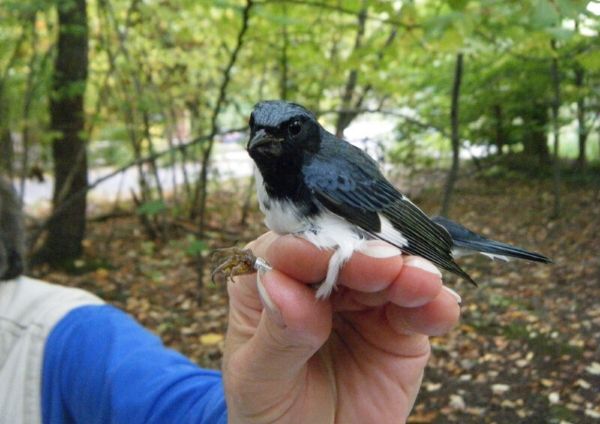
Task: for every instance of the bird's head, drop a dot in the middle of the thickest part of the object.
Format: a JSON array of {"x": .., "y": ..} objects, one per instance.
[{"x": 282, "y": 130}]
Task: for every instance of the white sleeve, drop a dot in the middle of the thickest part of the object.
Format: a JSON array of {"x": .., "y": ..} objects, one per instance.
[{"x": 29, "y": 310}]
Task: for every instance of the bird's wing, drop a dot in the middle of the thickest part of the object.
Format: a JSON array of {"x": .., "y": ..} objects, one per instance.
[{"x": 348, "y": 183}]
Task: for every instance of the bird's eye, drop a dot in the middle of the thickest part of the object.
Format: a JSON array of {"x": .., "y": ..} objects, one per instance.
[{"x": 295, "y": 127}]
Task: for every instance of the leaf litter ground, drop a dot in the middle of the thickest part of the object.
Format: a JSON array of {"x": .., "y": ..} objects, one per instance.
[{"x": 528, "y": 346}]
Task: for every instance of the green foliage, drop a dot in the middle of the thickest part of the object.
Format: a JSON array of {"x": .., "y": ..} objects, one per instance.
[
  {"x": 195, "y": 247},
  {"x": 590, "y": 60},
  {"x": 152, "y": 208}
]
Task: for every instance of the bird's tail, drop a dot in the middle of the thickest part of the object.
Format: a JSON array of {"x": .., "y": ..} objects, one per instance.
[{"x": 466, "y": 241}]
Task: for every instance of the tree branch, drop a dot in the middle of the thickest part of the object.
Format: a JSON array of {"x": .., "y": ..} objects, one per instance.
[{"x": 217, "y": 111}]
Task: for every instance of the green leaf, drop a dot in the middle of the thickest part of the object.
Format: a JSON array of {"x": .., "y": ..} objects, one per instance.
[
  {"x": 451, "y": 41},
  {"x": 195, "y": 246},
  {"x": 559, "y": 33},
  {"x": 148, "y": 247},
  {"x": 152, "y": 207},
  {"x": 458, "y": 4},
  {"x": 571, "y": 8},
  {"x": 544, "y": 14},
  {"x": 590, "y": 60}
]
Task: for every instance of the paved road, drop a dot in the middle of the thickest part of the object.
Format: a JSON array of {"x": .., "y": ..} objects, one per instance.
[{"x": 229, "y": 161}]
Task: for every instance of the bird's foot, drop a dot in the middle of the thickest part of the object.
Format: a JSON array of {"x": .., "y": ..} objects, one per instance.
[
  {"x": 337, "y": 260},
  {"x": 233, "y": 261}
]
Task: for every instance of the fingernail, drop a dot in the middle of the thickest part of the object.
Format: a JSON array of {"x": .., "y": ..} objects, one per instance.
[
  {"x": 454, "y": 294},
  {"x": 270, "y": 306},
  {"x": 424, "y": 264},
  {"x": 379, "y": 249}
]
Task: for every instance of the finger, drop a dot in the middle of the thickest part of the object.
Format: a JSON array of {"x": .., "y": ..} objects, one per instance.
[
  {"x": 373, "y": 268},
  {"x": 409, "y": 282},
  {"x": 352, "y": 300},
  {"x": 433, "y": 319},
  {"x": 418, "y": 283},
  {"x": 287, "y": 254},
  {"x": 298, "y": 258},
  {"x": 371, "y": 328},
  {"x": 293, "y": 326},
  {"x": 260, "y": 246}
]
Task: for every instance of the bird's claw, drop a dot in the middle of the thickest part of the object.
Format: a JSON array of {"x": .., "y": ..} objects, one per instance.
[{"x": 233, "y": 261}]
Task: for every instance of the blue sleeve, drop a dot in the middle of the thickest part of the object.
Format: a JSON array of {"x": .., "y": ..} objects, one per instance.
[{"x": 101, "y": 366}]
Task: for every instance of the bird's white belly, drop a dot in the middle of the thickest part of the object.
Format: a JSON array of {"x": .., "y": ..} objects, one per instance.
[
  {"x": 324, "y": 230},
  {"x": 280, "y": 216},
  {"x": 283, "y": 218}
]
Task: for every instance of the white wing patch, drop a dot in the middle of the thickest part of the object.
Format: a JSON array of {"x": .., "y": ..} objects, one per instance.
[
  {"x": 391, "y": 234},
  {"x": 460, "y": 252},
  {"x": 494, "y": 257}
]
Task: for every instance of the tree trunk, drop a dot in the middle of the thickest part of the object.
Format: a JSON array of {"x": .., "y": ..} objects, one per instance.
[
  {"x": 582, "y": 130},
  {"x": 6, "y": 152},
  {"x": 67, "y": 228},
  {"x": 554, "y": 71},
  {"x": 346, "y": 116},
  {"x": 499, "y": 136},
  {"x": 535, "y": 141},
  {"x": 284, "y": 60},
  {"x": 352, "y": 99},
  {"x": 6, "y": 143},
  {"x": 455, "y": 136}
]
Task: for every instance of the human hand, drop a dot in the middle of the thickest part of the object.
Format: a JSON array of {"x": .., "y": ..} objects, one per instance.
[{"x": 356, "y": 357}]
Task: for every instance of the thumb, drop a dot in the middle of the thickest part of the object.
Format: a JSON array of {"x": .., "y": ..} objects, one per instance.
[{"x": 293, "y": 326}]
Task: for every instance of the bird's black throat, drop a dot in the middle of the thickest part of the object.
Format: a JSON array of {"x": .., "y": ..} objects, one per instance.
[{"x": 284, "y": 181}]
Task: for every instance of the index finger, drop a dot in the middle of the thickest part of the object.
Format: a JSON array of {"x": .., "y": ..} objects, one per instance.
[
  {"x": 378, "y": 267},
  {"x": 293, "y": 256},
  {"x": 371, "y": 269}
]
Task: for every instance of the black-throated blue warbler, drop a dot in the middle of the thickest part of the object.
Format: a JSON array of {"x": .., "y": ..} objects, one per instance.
[{"x": 329, "y": 192}]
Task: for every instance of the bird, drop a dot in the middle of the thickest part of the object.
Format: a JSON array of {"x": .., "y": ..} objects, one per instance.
[{"x": 323, "y": 189}]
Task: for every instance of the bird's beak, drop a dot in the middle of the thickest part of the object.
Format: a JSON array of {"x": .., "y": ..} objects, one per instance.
[{"x": 261, "y": 138}]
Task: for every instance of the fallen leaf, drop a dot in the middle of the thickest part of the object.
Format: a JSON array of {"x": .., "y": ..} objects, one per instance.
[
  {"x": 554, "y": 398},
  {"x": 210, "y": 339},
  {"x": 499, "y": 389},
  {"x": 594, "y": 368},
  {"x": 593, "y": 413},
  {"x": 583, "y": 384},
  {"x": 433, "y": 387},
  {"x": 457, "y": 402}
]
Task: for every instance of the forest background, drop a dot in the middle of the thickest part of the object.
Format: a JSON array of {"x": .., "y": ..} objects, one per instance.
[{"x": 485, "y": 111}]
